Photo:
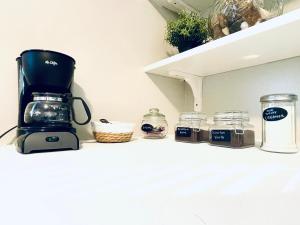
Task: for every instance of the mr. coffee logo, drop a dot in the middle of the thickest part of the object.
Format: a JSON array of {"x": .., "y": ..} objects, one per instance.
[
  {"x": 147, "y": 128},
  {"x": 49, "y": 62},
  {"x": 274, "y": 114}
]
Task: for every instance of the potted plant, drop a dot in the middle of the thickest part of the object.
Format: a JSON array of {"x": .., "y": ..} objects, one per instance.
[{"x": 188, "y": 31}]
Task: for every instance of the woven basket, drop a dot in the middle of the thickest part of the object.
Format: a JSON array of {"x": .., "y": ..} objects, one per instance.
[{"x": 112, "y": 137}]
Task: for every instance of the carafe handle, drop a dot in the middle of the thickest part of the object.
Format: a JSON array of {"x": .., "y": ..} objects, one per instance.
[{"x": 86, "y": 108}]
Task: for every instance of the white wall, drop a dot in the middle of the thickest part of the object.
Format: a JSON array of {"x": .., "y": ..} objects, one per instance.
[
  {"x": 291, "y": 5},
  {"x": 242, "y": 89},
  {"x": 111, "y": 42}
]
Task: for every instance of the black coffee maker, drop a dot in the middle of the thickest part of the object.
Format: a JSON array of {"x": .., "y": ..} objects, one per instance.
[{"x": 46, "y": 102}]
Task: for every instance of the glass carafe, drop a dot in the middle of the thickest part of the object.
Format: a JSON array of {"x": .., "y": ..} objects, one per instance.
[{"x": 52, "y": 109}]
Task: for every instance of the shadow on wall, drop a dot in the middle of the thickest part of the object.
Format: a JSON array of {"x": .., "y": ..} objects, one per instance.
[
  {"x": 174, "y": 90},
  {"x": 83, "y": 131},
  {"x": 165, "y": 13}
]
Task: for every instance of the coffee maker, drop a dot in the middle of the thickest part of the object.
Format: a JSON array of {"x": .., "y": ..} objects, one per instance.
[{"x": 46, "y": 103}]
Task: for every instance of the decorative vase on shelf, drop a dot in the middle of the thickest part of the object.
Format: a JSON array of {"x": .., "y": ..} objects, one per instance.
[
  {"x": 184, "y": 46},
  {"x": 230, "y": 16}
]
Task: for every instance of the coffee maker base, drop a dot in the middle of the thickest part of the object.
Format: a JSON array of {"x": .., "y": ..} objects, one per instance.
[{"x": 47, "y": 142}]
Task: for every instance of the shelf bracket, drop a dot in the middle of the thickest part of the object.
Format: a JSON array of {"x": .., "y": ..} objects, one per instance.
[{"x": 195, "y": 83}]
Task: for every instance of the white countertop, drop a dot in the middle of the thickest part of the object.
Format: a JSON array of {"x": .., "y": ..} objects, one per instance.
[{"x": 149, "y": 182}]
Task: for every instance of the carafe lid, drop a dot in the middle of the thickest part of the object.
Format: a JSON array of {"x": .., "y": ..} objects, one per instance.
[
  {"x": 231, "y": 116},
  {"x": 154, "y": 113},
  {"x": 47, "y": 96},
  {"x": 279, "y": 98}
]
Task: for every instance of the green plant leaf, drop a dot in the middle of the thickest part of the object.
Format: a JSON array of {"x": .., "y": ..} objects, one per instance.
[{"x": 189, "y": 27}]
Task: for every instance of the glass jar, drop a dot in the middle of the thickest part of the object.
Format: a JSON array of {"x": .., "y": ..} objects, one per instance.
[
  {"x": 154, "y": 125},
  {"x": 279, "y": 123},
  {"x": 47, "y": 108},
  {"x": 232, "y": 129},
  {"x": 192, "y": 128},
  {"x": 230, "y": 16}
]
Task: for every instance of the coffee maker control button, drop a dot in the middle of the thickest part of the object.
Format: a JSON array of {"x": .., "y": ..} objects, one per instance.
[{"x": 52, "y": 139}]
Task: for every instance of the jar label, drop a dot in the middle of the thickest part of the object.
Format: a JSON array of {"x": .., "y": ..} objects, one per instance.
[
  {"x": 221, "y": 135},
  {"x": 274, "y": 114},
  {"x": 147, "y": 128},
  {"x": 183, "y": 132}
]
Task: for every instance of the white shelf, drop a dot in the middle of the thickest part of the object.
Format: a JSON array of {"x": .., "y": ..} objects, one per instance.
[
  {"x": 273, "y": 40},
  {"x": 270, "y": 41}
]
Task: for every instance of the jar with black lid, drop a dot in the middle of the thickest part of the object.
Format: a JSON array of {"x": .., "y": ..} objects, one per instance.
[
  {"x": 232, "y": 129},
  {"x": 279, "y": 123},
  {"x": 192, "y": 128}
]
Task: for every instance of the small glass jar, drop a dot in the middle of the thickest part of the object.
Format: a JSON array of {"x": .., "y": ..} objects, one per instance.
[
  {"x": 230, "y": 16},
  {"x": 154, "y": 125},
  {"x": 279, "y": 123},
  {"x": 192, "y": 128},
  {"x": 232, "y": 129}
]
